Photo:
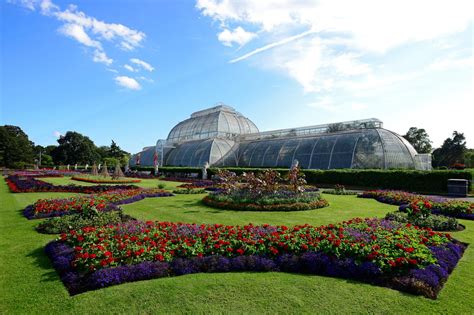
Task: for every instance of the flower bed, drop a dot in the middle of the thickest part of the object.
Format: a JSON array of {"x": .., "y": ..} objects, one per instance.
[
  {"x": 266, "y": 191},
  {"x": 189, "y": 191},
  {"x": 65, "y": 223},
  {"x": 44, "y": 173},
  {"x": 305, "y": 202},
  {"x": 105, "y": 181},
  {"x": 198, "y": 184},
  {"x": 18, "y": 184},
  {"x": 453, "y": 208},
  {"x": 376, "y": 251},
  {"x": 435, "y": 222},
  {"x": 107, "y": 201}
]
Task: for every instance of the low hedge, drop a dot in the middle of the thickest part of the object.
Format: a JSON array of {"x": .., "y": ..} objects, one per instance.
[{"x": 410, "y": 180}]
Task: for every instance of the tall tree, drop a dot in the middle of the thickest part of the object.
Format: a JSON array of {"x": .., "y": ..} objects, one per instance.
[
  {"x": 451, "y": 152},
  {"x": 115, "y": 151},
  {"x": 75, "y": 148},
  {"x": 15, "y": 147},
  {"x": 419, "y": 139}
]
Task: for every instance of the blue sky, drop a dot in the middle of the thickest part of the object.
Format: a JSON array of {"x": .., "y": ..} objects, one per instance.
[{"x": 132, "y": 70}]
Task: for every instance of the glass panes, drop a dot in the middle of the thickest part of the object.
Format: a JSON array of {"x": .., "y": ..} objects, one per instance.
[
  {"x": 245, "y": 153},
  {"x": 271, "y": 155},
  {"x": 258, "y": 153},
  {"x": 343, "y": 150},
  {"x": 368, "y": 152},
  {"x": 303, "y": 152},
  {"x": 286, "y": 153},
  {"x": 322, "y": 152},
  {"x": 395, "y": 151}
]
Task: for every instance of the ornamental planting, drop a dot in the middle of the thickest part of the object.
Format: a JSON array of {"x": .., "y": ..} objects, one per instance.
[{"x": 376, "y": 251}]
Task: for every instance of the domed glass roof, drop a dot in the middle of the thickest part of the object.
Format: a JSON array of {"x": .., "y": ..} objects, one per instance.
[{"x": 221, "y": 121}]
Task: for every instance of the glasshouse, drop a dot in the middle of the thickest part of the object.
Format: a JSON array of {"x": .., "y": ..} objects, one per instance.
[{"x": 221, "y": 136}]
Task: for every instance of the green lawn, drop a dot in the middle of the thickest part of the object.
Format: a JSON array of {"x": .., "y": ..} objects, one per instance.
[
  {"x": 146, "y": 183},
  {"x": 28, "y": 283}
]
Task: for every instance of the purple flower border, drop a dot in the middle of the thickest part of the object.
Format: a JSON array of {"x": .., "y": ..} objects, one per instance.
[
  {"x": 427, "y": 282},
  {"x": 29, "y": 211}
]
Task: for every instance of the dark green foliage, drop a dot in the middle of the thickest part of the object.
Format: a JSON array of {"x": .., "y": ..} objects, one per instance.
[
  {"x": 419, "y": 139},
  {"x": 76, "y": 221},
  {"x": 189, "y": 191},
  {"x": 409, "y": 180},
  {"x": 452, "y": 151},
  {"x": 16, "y": 149},
  {"x": 75, "y": 148},
  {"x": 469, "y": 158},
  {"x": 435, "y": 222}
]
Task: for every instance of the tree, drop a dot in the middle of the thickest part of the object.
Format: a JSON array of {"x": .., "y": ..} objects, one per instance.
[
  {"x": 75, "y": 148},
  {"x": 469, "y": 158},
  {"x": 103, "y": 151},
  {"x": 16, "y": 149},
  {"x": 115, "y": 151},
  {"x": 419, "y": 139},
  {"x": 451, "y": 152}
]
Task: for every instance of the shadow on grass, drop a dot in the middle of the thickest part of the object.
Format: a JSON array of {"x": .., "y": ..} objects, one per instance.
[{"x": 42, "y": 261}]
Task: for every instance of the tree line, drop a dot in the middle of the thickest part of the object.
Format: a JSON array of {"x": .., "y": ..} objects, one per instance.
[{"x": 18, "y": 151}]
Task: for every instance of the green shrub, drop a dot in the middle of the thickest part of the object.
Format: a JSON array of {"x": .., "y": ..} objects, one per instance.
[
  {"x": 77, "y": 221},
  {"x": 435, "y": 222},
  {"x": 189, "y": 191},
  {"x": 161, "y": 186}
]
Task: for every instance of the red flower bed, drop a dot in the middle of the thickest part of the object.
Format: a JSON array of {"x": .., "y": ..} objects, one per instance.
[
  {"x": 389, "y": 245},
  {"x": 25, "y": 184},
  {"x": 43, "y": 208},
  {"x": 454, "y": 208},
  {"x": 105, "y": 181},
  {"x": 372, "y": 250}
]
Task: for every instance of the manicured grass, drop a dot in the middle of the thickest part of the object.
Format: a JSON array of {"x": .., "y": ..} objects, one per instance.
[
  {"x": 145, "y": 183},
  {"x": 28, "y": 283}
]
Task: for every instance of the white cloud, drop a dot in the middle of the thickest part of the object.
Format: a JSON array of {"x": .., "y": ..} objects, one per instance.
[
  {"x": 127, "y": 82},
  {"x": 145, "y": 79},
  {"x": 77, "y": 32},
  {"x": 28, "y": 4},
  {"x": 238, "y": 36},
  {"x": 373, "y": 24},
  {"x": 142, "y": 64},
  {"x": 101, "y": 57},
  {"x": 93, "y": 33},
  {"x": 347, "y": 33},
  {"x": 57, "y": 134},
  {"x": 272, "y": 45},
  {"x": 128, "y": 38},
  {"x": 450, "y": 63},
  {"x": 130, "y": 68},
  {"x": 359, "y": 106}
]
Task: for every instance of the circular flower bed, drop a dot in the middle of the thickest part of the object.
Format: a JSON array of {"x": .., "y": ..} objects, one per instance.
[
  {"x": 105, "y": 180},
  {"x": 306, "y": 201},
  {"x": 264, "y": 192}
]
